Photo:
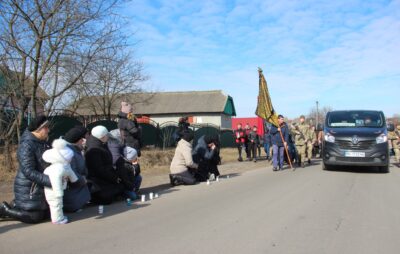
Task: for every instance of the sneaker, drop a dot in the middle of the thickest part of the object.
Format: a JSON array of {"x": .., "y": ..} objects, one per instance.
[
  {"x": 240, "y": 159},
  {"x": 274, "y": 169},
  {"x": 61, "y": 222}
]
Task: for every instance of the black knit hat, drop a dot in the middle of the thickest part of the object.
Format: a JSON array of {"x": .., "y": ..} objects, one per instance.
[
  {"x": 37, "y": 123},
  {"x": 75, "y": 134},
  {"x": 188, "y": 136}
]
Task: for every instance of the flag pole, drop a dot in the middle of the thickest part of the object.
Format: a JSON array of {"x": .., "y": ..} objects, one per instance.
[{"x": 286, "y": 149}]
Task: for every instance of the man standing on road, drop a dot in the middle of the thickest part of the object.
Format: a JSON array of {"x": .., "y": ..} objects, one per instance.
[
  {"x": 301, "y": 134},
  {"x": 394, "y": 138},
  {"x": 240, "y": 136},
  {"x": 278, "y": 146},
  {"x": 312, "y": 138}
]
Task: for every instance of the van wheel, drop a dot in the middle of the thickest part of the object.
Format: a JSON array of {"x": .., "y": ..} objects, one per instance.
[
  {"x": 326, "y": 167},
  {"x": 384, "y": 169}
]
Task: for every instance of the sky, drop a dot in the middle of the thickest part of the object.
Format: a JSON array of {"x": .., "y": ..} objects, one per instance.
[{"x": 343, "y": 54}]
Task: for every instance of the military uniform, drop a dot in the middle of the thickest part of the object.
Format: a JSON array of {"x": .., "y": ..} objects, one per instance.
[
  {"x": 311, "y": 139},
  {"x": 301, "y": 134},
  {"x": 394, "y": 138}
]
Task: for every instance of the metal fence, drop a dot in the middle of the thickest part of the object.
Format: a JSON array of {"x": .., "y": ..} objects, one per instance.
[{"x": 153, "y": 134}]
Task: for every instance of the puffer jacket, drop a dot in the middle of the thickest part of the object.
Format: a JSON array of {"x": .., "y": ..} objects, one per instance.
[
  {"x": 30, "y": 181},
  {"x": 130, "y": 132}
]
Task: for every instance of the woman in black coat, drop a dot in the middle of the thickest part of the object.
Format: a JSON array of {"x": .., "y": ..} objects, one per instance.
[
  {"x": 30, "y": 204},
  {"x": 106, "y": 183}
]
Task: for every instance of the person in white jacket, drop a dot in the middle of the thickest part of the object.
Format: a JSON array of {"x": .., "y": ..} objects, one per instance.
[{"x": 59, "y": 173}]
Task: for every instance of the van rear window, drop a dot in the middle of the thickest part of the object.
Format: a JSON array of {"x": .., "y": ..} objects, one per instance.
[{"x": 345, "y": 119}]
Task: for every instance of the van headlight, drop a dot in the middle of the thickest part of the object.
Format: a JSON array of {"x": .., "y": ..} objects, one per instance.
[
  {"x": 329, "y": 138},
  {"x": 381, "y": 139}
]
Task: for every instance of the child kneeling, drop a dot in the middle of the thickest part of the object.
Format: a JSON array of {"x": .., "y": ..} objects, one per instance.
[{"x": 129, "y": 170}]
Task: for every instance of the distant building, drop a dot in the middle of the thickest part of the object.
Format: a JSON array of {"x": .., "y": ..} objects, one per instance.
[
  {"x": 10, "y": 90},
  {"x": 201, "y": 107}
]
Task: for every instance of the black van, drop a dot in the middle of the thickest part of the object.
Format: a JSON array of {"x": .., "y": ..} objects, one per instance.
[{"x": 355, "y": 138}]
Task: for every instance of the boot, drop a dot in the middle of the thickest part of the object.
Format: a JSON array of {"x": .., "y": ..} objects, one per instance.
[
  {"x": 21, "y": 215},
  {"x": 3, "y": 210}
]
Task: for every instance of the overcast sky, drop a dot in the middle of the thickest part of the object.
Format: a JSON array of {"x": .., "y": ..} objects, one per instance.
[{"x": 345, "y": 54}]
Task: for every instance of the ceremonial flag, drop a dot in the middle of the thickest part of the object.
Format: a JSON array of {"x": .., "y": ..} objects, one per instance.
[{"x": 265, "y": 109}]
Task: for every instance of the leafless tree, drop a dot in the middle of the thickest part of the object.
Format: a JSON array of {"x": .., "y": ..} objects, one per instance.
[
  {"x": 51, "y": 45},
  {"x": 113, "y": 75},
  {"x": 312, "y": 115}
]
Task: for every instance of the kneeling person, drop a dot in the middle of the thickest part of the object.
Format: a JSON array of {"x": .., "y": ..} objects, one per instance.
[
  {"x": 129, "y": 169},
  {"x": 182, "y": 163}
]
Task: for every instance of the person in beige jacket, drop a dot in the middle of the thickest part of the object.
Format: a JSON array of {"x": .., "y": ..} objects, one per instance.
[{"x": 182, "y": 163}]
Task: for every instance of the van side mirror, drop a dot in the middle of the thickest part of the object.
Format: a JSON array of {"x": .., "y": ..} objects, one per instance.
[{"x": 390, "y": 127}]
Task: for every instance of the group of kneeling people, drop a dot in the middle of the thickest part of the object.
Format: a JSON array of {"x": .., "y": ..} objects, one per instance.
[
  {"x": 191, "y": 165},
  {"x": 77, "y": 169}
]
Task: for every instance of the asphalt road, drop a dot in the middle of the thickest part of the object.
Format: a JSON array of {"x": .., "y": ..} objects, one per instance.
[{"x": 259, "y": 211}]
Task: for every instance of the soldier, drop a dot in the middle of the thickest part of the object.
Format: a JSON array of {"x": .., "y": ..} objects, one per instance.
[
  {"x": 301, "y": 136},
  {"x": 311, "y": 140},
  {"x": 394, "y": 138}
]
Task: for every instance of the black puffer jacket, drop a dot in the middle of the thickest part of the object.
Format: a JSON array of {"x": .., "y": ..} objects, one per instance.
[
  {"x": 130, "y": 132},
  {"x": 100, "y": 163},
  {"x": 30, "y": 180}
]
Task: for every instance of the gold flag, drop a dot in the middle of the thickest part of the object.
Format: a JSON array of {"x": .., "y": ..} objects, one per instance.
[{"x": 265, "y": 109}]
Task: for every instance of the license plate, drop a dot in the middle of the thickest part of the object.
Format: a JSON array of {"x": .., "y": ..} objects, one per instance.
[{"x": 354, "y": 154}]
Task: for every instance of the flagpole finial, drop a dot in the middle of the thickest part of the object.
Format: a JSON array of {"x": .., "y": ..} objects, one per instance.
[{"x": 259, "y": 69}]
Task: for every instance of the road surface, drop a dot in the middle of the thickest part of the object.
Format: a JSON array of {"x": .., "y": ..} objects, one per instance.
[{"x": 259, "y": 211}]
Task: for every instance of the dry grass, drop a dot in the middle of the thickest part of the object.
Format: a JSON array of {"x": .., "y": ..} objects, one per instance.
[{"x": 152, "y": 161}]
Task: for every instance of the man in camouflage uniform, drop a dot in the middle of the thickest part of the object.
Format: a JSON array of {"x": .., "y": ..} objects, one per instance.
[
  {"x": 301, "y": 136},
  {"x": 311, "y": 140},
  {"x": 394, "y": 138}
]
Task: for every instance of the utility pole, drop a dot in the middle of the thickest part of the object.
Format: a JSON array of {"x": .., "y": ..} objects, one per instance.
[{"x": 317, "y": 118}]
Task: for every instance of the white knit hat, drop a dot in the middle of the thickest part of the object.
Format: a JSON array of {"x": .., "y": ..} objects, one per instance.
[
  {"x": 99, "y": 132},
  {"x": 130, "y": 153},
  {"x": 59, "y": 153}
]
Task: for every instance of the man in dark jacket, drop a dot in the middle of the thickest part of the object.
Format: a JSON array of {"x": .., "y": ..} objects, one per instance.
[
  {"x": 240, "y": 138},
  {"x": 206, "y": 155},
  {"x": 106, "y": 183},
  {"x": 129, "y": 127},
  {"x": 254, "y": 141},
  {"x": 267, "y": 143},
  {"x": 278, "y": 145},
  {"x": 30, "y": 204}
]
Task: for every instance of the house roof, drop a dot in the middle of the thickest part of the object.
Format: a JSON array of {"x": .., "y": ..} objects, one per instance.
[
  {"x": 13, "y": 76},
  {"x": 168, "y": 103}
]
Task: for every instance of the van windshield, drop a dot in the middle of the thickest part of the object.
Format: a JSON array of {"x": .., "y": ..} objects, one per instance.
[{"x": 345, "y": 119}]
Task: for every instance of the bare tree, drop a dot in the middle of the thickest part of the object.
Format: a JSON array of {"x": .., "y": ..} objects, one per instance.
[
  {"x": 50, "y": 45},
  {"x": 312, "y": 115},
  {"x": 113, "y": 75}
]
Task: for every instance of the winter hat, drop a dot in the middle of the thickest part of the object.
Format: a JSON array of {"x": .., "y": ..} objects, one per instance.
[
  {"x": 59, "y": 153},
  {"x": 38, "y": 123},
  {"x": 126, "y": 107},
  {"x": 130, "y": 153},
  {"x": 75, "y": 134},
  {"x": 188, "y": 136},
  {"x": 99, "y": 132}
]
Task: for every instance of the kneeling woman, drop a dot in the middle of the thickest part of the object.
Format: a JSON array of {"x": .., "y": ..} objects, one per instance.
[{"x": 182, "y": 165}]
